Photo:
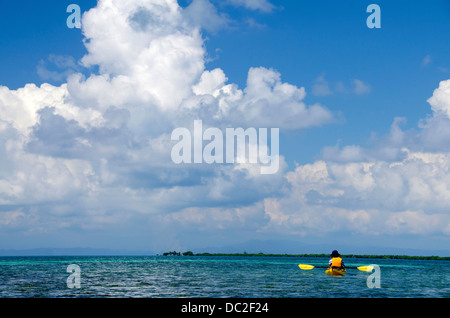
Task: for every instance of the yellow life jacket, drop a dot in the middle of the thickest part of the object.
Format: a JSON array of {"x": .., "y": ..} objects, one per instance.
[{"x": 336, "y": 262}]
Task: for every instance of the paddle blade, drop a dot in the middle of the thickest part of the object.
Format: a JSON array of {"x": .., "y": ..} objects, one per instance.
[
  {"x": 305, "y": 267},
  {"x": 365, "y": 268}
]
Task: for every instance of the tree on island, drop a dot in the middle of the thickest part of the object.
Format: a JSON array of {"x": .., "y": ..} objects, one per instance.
[{"x": 172, "y": 253}]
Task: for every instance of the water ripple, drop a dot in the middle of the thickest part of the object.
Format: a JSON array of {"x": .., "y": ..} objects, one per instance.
[{"x": 243, "y": 277}]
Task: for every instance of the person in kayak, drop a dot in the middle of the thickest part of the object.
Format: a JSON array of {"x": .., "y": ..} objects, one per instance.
[{"x": 336, "y": 261}]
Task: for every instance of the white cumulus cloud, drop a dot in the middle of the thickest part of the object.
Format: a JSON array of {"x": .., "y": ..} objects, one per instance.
[
  {"x": 94, "y": 152},
  {"x": 96, "y": 149}
]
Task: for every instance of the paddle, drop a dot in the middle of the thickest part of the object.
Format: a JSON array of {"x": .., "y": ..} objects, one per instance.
[{"x": 368, "y": 268}]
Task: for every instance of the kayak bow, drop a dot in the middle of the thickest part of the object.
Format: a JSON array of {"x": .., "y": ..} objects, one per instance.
[{"x": 336, "y": 271}]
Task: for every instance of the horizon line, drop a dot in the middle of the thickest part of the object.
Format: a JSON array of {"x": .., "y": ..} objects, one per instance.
[{"x": 125, "y": 253}]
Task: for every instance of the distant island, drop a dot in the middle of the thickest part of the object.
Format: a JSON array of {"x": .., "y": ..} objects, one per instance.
[
  {"x": 109, "y": 252},
  {"x": 189, "y": 253}
]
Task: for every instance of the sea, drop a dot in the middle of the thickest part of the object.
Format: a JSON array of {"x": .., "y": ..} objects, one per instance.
[{"x": 217, "y": 277}]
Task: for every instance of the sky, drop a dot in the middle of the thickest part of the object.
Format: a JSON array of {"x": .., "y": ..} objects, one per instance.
[{"x": 86, "y": 116}]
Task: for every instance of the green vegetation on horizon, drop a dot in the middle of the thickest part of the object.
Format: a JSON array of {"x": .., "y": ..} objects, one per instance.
[{"x": 189, "y": 253}]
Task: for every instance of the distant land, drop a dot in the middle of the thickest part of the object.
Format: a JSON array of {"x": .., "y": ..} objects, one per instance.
[
  {"x": 269, "y": 247},
  {"x": 438, "y": 258},
  {"x": 78, "y": 251},
  {"x": 106, "y": 252},
  {"x": 296, "y": 247}
]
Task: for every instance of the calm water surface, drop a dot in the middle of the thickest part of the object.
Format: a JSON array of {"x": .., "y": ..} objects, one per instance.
[{"x": 214, "y": 277}]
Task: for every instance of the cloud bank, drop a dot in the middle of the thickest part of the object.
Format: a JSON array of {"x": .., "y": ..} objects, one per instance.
[{"x": 93, "y": 154}]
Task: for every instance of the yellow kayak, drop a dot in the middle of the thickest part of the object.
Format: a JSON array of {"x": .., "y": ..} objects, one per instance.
[{"x": 336, "y": 271}]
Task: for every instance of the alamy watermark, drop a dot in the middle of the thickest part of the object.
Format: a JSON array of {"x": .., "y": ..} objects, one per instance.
[
  {"x": 374, "y": 279},
  {"x": 374, "y": 19},
  {"x": 74, "y": 19},
  {"x": 236, "y": 146},
  {"x": 74, "y": 279}
]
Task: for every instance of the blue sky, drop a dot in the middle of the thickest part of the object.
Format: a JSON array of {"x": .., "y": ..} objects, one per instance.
[
  {"x": 372, "y": 168},
  {"x": 303, "y": 40}
]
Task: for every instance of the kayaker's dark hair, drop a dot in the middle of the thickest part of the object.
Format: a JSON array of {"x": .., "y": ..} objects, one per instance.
[{"x": 335, "y": 254}]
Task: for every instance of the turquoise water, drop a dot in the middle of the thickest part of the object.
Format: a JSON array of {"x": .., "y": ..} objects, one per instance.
[{"x": 217, "y": 277}]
